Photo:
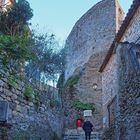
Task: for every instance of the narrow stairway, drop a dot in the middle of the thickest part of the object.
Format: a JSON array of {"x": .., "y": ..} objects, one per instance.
[{"x": 75, "y": 134}]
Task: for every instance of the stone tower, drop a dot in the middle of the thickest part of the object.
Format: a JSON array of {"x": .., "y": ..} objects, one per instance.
[{"x": 87, "y": 46}]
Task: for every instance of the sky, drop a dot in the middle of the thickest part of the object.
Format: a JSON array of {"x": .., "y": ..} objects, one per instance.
[{"x": 59, "y": 16}]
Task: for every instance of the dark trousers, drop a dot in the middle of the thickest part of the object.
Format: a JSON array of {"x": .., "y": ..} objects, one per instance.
[{"x": 87, "y": 135}]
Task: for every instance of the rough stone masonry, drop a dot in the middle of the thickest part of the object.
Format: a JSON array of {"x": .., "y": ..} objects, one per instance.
[
  {"x": 28, "y": 119},
  {"x": 87, "y": 46}
]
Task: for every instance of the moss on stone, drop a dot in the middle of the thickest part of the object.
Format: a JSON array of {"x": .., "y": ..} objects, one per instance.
[{"x": 73, "y": 80}]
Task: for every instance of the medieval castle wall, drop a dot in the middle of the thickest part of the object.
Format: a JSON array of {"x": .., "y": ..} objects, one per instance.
[
  {"x": 93, "y": 33},
  {"x": 124, "y": 83},
  {"x": 132, "y": 33},
  {"x": 110, "y": 73},
  {"x": 110, "y": 86},
  {"x": 87, "y": 46},
  {"x": 34, "y": 118}
]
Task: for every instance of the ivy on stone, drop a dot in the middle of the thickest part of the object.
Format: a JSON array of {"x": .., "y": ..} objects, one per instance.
[{"x": 83, "y": 106}]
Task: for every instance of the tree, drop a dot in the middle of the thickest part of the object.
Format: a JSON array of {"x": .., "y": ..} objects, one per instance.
[
  {"x": 48, "y": 62},
  {"x": 21, "y": 48},
  {"x": 15, "y": 20},
  {"x": 15, "y": 36}
]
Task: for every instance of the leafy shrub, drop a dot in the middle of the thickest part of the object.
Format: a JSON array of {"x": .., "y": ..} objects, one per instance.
[
  {"x": 83, "y": 106},
  {"x": 28, "y": 92}
]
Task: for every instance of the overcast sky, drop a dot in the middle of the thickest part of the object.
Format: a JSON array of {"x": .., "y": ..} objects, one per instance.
[{"x": 59, "y": 16}]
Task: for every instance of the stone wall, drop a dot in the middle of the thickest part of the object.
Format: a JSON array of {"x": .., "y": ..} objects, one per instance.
[
  {"x": 119, "y": 15},
  {"x": 93, "y": 33},
  {"x": 132, "y": 33},
  {"x": 87, "y": 46},
  {"x": 40, "y": 118},
  {"x": 127, "y": 76},
  {"x": 129, "y": 97},
  {"x": 129, "y": 125},
  {"x": 112, "y": 71},
  {"x": 109, "y": 85},
  {"x": 129, "y": 93}
]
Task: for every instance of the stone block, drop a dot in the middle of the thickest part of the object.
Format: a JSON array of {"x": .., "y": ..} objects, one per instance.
[
  {"x": 8, "y": 99},
  {"x": 18, "y": 108},
  {"x": 12, "y": 105},
  {"x": 2, "y": 83},
  {"x": 3, "y": 96},
  {"x": 17, "y": 102},
  {"x": 14, "y": 113},
  {"x": 31, "y": 104},
  {"x": 14, "y": 96},
  {"x": 18, "y": 92}
]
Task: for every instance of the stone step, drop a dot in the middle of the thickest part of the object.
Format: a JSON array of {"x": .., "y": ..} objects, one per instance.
[
  {"x": 78, "y": 134},
  {"x": 81, "y": 137}
]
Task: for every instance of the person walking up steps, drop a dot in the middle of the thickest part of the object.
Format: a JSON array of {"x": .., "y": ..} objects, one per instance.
[{"x": 87, "y": 127}]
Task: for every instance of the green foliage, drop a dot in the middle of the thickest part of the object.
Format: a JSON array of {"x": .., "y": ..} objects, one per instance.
[
  {"x": 83, "y": 106},
  {"x": 28, "y": 92},
  {"x": 73, "y": 80},
  {"x": 23, "y": 49},
  {"x": 13, "y": 51},
  {"x": 12, "y": 81},
  {"x": 13, "y": 21},
  {"x": 15, "y": 36},
  {"x": 48, "y": 62}
]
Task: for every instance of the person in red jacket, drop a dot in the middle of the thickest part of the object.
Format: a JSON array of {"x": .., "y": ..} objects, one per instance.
[
  {"x": 79, "y": 123},
  {"x": 87, "y": 127}
]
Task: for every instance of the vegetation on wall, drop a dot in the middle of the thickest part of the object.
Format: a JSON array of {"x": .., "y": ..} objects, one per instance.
[
  {"x": 28, "y": 92},
  {"x": 83, "y": 106},
  {"x": 12, "y": 81},
  {"x": 73, "y": 80}
]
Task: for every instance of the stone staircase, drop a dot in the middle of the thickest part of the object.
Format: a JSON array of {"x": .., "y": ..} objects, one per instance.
[{"x": 78, "y": 134}]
